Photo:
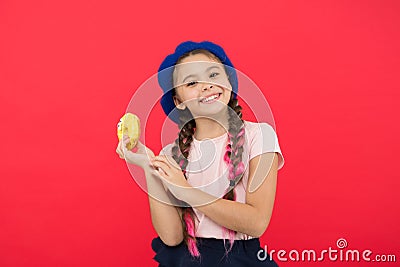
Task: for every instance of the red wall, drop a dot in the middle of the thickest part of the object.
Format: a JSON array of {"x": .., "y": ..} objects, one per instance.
[{"x": 329, "y": 70}]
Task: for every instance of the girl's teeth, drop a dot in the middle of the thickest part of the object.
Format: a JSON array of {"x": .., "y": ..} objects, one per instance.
[{"x": 210, "y": 98}]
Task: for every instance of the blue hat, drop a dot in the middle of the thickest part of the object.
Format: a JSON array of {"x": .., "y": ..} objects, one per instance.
[{"x": 166, "y": 69}]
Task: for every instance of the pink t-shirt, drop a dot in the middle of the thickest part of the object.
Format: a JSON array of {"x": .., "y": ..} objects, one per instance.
[{"x": 208, "y": 171}]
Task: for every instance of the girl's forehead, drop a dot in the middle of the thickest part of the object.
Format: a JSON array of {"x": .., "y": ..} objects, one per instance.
[
  {"x": 196, "y": 68},
  {"x": 198, "y": 57}
]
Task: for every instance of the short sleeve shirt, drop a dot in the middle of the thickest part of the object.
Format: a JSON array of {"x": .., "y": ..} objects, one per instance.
[{"x": 207, "y": 170}]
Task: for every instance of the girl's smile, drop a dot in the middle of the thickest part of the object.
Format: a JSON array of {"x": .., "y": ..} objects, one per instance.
[{"x": 211, "y": 98}]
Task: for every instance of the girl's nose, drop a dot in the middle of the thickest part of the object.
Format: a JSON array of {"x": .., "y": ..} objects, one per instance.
[{"x": 207, "y": 87}]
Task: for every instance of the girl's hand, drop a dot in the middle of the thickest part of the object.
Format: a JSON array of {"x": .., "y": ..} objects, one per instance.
[
  {"x": 141, "y": 157},
  {"x": 171, "y": 175}
]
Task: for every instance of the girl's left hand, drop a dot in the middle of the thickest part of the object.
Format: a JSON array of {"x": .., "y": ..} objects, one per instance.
[{"x": 171, "y": 175}]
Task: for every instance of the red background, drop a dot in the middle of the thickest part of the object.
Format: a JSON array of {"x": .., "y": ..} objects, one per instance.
[{"x": 329, "y": 70}]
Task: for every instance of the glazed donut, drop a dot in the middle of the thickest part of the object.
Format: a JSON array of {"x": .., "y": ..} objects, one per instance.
[{"x": 129, "y": 125}]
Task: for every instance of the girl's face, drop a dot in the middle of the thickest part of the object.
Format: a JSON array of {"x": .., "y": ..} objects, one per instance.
[{"x": 201, "y": 85}]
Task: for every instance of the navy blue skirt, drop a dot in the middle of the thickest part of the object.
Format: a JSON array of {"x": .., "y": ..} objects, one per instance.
[{"x": 212, "y": 253}]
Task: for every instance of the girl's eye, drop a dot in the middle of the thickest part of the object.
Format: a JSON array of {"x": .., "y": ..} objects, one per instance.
[
  {"x": 214, "y": 74},
  {"x": 191, "y": 83}
]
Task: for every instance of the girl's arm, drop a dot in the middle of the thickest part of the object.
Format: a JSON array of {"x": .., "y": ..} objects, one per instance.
[
  {"x": 252, "y": 217},
  {"x": 166, "y": 218}
]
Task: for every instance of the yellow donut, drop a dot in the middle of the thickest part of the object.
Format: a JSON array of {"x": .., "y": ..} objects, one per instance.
[{"x": 129, "y": 125}]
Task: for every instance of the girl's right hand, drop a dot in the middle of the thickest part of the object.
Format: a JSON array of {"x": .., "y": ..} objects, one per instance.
[{"x": 141, "y": 157}]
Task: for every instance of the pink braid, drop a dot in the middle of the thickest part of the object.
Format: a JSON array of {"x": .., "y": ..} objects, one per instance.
[
  {"x": 194, "y": 251},
  {"x": 232, "y": 176},
  {"x": 190, "y": 228}
]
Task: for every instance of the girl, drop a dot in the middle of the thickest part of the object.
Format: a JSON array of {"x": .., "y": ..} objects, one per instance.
[{"x": 231, "y": 195}]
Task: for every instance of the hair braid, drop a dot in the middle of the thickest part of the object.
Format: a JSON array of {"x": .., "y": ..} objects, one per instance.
[
  {"x": 180, "y": 153},
  {"x": 233, "y": 156}
]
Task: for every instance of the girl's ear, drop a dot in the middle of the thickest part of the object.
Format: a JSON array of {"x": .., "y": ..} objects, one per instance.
[{"x": 178, "y": 103}]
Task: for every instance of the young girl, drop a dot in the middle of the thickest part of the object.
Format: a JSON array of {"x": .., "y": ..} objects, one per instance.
[{"x": 222, "y": 169}]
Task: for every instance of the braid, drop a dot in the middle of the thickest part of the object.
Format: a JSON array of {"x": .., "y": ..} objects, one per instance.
[
  {"x": 233, "y": 158},
  {"x": 180, "y": 153}
]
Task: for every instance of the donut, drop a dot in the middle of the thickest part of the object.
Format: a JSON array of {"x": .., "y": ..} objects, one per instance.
[{"x": 129, "y": 125}]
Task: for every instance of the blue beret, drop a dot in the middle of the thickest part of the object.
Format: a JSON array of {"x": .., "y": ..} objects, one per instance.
[{"x": 166, "y": 69}]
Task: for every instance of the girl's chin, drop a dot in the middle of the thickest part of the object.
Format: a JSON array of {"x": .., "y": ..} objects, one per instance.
[{"x": 210, "y": 111}]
